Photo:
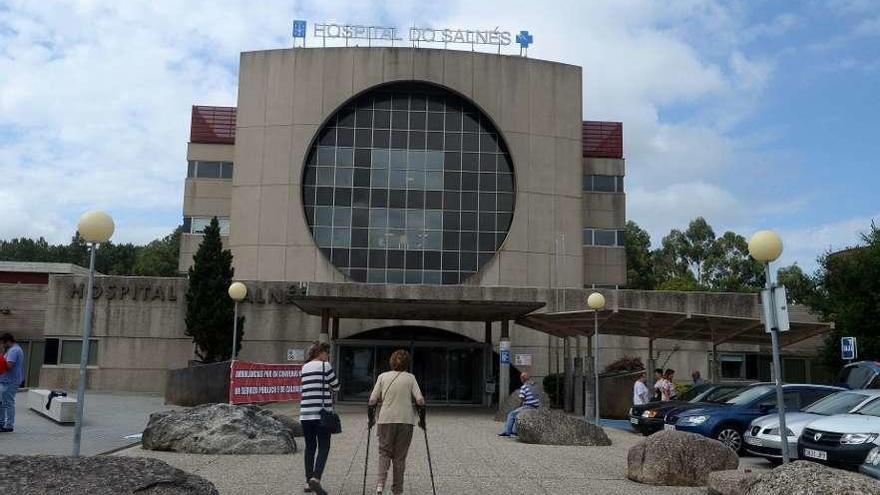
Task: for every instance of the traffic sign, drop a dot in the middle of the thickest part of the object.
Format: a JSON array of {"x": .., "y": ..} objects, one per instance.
[{"x": 848, "y": 350}]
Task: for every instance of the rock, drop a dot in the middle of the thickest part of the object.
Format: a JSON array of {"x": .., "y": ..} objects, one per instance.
[
  {"x": 99, "y": 475},
  {"x": 220, "y": 429},
  {"x": 804, "y": 477},
  {"x": 732, "y": 482},
  {"x": 288, "y": 421},
  {"x": 552, "y": 427},
  {"x": 678, "y": 458},
  {"x": 513, "y": 401}
]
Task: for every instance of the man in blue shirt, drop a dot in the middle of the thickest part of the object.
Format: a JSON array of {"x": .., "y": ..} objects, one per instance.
[
  {"x": 11, "y": 376},
  {"x": 528, "y": 400}
]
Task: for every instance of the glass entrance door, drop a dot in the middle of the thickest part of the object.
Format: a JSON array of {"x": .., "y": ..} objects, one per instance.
[{"x": 447, "y": 372}]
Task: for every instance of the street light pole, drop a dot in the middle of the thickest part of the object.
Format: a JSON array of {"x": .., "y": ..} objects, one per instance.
[
  {"x": 95, "y": 227},
  {"x": 765, "y": 246},
  {"x": 596, "y": 302},
  {"x": 777, "y": 368},
  {"x": 237, "y": 292}
]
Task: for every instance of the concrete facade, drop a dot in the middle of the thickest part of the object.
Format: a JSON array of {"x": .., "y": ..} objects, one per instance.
[{"x": 286, "y": 95}]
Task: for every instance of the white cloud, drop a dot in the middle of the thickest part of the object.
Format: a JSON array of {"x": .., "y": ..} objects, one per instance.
[
  {"x": 95, "y": 96},
  {"x": 804, "y": 245}
]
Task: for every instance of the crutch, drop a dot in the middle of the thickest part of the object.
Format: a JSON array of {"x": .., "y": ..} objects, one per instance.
[
  {"x": 371, "y": 419},
  {"x": 424, "y": 427}
]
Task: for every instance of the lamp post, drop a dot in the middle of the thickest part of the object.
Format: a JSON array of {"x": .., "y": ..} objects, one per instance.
[
  {"x": 766, "y": 246},
  {"x": 596, "y": 302},
  {"x": 95, "y": 227},
  {"x": 237, "y": 291}
]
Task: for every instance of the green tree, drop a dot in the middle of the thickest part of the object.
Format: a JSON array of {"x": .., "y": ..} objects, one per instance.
[
  {"x": 209, "y": 310},
  {"x": 639, "y": 261},
  {"x": 728, "y": 266},
  {"x": 670, "y": 260},
  {"x": 799, "y": 287},
  {"x": 159, "y": 258},
  {"x": 699, "y": 242},
  {"x": 848, "y": 293}
]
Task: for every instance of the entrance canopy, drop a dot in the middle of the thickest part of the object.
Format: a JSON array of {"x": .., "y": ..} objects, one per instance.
[
  {"x": 659, "y": 324},
  {"x": 433, "y": 303}
]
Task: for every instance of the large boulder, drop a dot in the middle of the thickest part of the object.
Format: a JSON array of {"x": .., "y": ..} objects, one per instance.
[
  {"x": 99, "y": 475},
  {"x": 804, "y": 478},
  {"x": 220, "y": 429},
  {"x": 732, "y": 482},
  {"x": 513, "y": 401},
  {"x": 678, "y": 458},
  {"x": 552, "y": 427}
]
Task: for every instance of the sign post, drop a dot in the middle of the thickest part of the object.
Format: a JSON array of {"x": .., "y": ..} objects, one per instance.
[
  {"x": 848, "y": 349},
  {"x": 775, "y": 307}
]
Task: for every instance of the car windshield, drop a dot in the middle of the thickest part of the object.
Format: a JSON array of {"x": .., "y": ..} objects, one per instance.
[
  {"x": 746, "y": 395},
  {"x": 694, "y": 392},
  {"x": 839, "y": 403},
  {"x": 858, "y": 376},
  {"x": 872, "y": 409},
  {"x": 719, "y": 394}
]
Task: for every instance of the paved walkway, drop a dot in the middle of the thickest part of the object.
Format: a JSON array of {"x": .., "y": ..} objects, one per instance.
[
  {"x": 108, "y": 418},
  {"x": 468, "y": 458}
]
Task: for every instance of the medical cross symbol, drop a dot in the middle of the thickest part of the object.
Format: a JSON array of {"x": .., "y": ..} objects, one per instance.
[{"x": 524, "y": 39}]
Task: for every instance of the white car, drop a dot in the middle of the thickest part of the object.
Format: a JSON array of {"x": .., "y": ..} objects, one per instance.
[
  {"x": 763, "y": 439},
  {"x": 843, "y": 440}
]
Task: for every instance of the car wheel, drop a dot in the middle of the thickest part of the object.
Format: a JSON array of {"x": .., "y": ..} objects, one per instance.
[{"x": 730, "y": 436}]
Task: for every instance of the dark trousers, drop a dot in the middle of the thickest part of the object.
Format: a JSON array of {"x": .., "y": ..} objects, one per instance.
[{"x": 317, "y": 441}]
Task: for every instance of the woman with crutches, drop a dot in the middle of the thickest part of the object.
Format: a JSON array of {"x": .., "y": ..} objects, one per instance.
[{"x": 397, "y": 394}]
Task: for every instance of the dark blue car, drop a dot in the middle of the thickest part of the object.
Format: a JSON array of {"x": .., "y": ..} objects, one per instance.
[{"x": 726, "y": 421}]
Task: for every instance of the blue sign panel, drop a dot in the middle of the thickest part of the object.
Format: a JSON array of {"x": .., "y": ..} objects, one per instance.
[
  {"x": 524, "y": 39},
  {"x": 505, "y": 356},
  {"x": 848, "y": 348},
  {"x": 299, "y": 29}
]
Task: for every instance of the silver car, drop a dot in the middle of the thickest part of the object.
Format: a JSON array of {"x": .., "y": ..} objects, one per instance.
[{"x": 762, "y": 438}]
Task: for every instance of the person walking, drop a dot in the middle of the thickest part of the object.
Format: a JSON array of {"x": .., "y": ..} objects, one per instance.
[
  {"x": 318, "y": 384},
  {"x": 528, "y": 400},
  {"x": 11, "y": 377},
  {"x": 395, "y": 394},
  {"x": 641, "y": 394}
]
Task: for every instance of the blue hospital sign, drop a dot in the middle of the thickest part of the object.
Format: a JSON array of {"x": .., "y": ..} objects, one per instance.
[
  {"x": 299, "y": 29},
  {"x": 505, "y": 356},
  {"x": 848, "y": 348},
  {"x": 524, "y": 39}
]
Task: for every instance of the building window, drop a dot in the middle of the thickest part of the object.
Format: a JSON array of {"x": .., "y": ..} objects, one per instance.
[
  {"x": 603, "y": 183},
  {"x": 409, "y": 184},
  {"x": 733, "y": 367},
  {"x": 196, "y": 225},
  {"x": 63, "y": 352},
  {"x": 604, "y": 237},
  {"x": 199, "y": 169}
]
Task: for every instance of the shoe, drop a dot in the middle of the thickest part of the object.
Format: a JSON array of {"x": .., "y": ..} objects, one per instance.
[
  {"x": 315, "y": 485},
  {"x": 504, "y": 434},
  {"x": 6, "y": 430},
  {"x": 380, "y": 488},
  {"x": 307, "y": 489}
]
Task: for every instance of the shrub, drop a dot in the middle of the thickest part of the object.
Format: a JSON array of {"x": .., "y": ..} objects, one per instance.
[{"x": 626, "y": 363}]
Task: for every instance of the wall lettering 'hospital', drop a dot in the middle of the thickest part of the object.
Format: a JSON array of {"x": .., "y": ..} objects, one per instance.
[{"x": 416, "y": 34}]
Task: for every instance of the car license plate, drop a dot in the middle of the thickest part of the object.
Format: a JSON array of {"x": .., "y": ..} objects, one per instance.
[
  {"x": 753, "y": 441},
  {"x": 816, "y": 454},
  {"x": 634, "y": 421},
  {"x": 669, "y": 427}
]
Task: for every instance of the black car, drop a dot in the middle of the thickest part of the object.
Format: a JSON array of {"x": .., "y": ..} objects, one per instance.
[{"x": 648, "y": 418}]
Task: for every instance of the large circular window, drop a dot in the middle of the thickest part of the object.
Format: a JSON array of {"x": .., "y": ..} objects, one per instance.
[{"x": 409, "y": 184}]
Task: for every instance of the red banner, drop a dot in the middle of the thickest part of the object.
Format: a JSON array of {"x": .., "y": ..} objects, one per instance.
[{"x": 260, "y": 382}]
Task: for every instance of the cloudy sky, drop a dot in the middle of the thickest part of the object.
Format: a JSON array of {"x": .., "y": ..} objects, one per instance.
[{"x": 753, "y": 114}]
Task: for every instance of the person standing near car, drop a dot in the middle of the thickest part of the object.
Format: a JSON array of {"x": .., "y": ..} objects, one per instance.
[
  {"x": 661, "y": 391},
  {"x": 396, "y": 393},
  {"x": 641, "y": 394},
  {"x": 318, "y": 384},
  {"x": 670, "y": 384},
  {"x": 11, "y": 377}
]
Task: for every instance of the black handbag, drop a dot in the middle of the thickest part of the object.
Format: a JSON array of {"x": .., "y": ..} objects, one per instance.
[{"x": 329, "y": 419}]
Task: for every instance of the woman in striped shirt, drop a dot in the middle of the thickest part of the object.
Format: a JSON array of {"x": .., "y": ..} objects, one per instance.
[{"x": 318, "y": 384}]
